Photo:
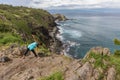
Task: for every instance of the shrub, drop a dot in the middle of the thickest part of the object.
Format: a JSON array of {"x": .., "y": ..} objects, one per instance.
[
  {"x": 54, "y": 76},
  {"x": 116, "y": 42}
]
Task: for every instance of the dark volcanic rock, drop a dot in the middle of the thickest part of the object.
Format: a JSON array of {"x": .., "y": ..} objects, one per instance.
[{"x": 4, "y": 59}]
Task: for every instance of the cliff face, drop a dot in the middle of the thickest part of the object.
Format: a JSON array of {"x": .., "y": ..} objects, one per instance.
[{"x": 24, "y": 25}]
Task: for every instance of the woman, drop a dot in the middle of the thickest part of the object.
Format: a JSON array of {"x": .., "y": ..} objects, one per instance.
[{"x": 31, "y": 47}]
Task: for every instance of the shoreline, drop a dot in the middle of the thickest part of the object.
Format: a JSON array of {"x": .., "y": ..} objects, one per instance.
[{"x": 65, "y": 45}]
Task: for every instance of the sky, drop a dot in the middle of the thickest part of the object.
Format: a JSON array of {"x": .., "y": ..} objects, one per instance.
[{"x": 64, "y": 4}]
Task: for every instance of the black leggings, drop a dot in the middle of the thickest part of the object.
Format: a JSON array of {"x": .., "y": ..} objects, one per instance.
[{"x": 30, "y": 50}]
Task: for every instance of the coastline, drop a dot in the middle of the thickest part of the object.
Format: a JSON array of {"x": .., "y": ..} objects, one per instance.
[
  {"x": 64, "y": 49},
  {"x": 57, "y": 46}
]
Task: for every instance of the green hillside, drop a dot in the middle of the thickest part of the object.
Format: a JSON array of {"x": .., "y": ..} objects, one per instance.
[{"x": 17, "y": 24}]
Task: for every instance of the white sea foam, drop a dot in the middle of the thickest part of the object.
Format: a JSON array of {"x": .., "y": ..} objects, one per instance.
[
  {"x": 73, "y": 33},
  {"x": 65, "y": 29},
  {"x": 67, "y": 46},
  {"x": 59, "y": 35},
  {"x": 60, "y": 29},
  {"x": 71, "y": 43}
]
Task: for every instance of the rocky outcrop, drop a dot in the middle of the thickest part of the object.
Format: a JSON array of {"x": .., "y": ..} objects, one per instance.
[
  {"x": 32, "y": 68},
  {"x": 100, "y": 72},
  {"x": 111, "y": 74},
  {"x": 59, "y": 17},
  {"x": 98, "y": 50},
  {"x": 88, "y": 70}
]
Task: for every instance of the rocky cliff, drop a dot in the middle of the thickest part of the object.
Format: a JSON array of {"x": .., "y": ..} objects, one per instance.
[{"x": 96, "y": 65}]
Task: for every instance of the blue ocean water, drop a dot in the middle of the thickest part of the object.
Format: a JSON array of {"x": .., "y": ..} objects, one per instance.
[{"x": 83, "y": 32}]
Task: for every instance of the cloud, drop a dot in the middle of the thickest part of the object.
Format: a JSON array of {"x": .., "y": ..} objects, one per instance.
[
  {"x": 64, "y": 4},
  {"x": 15, "y": 2},
  {"x": 73, "y": 4}
]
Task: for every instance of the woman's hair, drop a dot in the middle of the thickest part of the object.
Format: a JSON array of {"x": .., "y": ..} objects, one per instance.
[{"x": 39, "y": 44}]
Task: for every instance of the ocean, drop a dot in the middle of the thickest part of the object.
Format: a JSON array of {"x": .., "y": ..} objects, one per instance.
[{"x": 85, "y": 30}]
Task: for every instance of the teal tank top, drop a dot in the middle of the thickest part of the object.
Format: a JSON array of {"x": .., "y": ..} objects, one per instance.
[{"x": 32, "y": 46}]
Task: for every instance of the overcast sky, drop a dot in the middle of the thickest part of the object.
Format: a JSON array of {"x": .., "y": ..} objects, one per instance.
[{"x": 62, "y": 4}]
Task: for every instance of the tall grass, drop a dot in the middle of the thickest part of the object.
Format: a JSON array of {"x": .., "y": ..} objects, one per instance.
[{"x": 6, "y": 38}]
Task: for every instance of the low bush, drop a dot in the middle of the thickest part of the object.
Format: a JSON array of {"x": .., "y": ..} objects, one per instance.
[{"x": 54, "y": 76}]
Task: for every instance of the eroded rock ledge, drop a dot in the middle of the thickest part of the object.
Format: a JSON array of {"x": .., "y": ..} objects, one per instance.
[{"x": 30, "y": 68}]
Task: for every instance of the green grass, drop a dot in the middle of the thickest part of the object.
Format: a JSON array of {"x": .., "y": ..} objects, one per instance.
[
  {"x": 54, "y": 76},
  {"x": 115, "y": 60},
  {"x": 112, "y": 60},
  {"x": 44, "y": 50},
  {"x": 116, "y": 41},
  {"x": 98, "y": 60},
  {"x": 117, "y": 53},
  {"x": 7, "y": 38},
  {"x": 23, "y": 20}
]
